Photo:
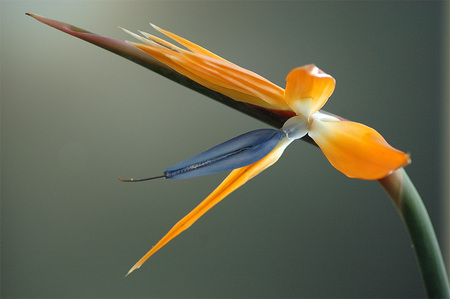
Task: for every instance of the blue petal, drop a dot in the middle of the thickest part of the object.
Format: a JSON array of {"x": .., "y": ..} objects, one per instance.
[{"x": 234, "y": 153}]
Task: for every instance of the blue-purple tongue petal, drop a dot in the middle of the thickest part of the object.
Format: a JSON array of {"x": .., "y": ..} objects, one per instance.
[{"x": 235, "y": 153}]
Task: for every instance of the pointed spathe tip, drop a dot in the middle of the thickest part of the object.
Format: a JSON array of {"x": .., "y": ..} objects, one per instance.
[
  {"x": 36, "y": 16},
  {"x": 33, "y": 15}
]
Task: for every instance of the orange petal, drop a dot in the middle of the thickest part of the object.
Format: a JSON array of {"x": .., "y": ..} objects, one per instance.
[
  {"x": 308, "y": 89},
  {"x": 356, "y": 150},
  {"x": 219, "y": 75},
  {"x": 234, "y": 180},
  {"x": 188, "y": 44},
  {"x": 233, "y": 77}
]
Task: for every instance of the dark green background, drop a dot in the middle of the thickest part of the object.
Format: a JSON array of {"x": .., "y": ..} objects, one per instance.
[{"x": 75, "y": 117}]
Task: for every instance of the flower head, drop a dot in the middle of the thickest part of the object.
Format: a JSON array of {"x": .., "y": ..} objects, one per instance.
[{"x": 354, "y": 149}]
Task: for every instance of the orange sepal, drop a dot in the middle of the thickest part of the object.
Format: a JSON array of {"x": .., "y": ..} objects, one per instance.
[
  {"x": 308, "y": 89},
  {"x": 221, "y": 76},
  {"x": 224, "y": 77},
  {"x": 356, "y": 150},
  {"x": 234, "y": 180}
]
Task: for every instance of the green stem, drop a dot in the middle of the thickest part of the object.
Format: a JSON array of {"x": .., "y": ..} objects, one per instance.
[{"x": 415, "y": 216}]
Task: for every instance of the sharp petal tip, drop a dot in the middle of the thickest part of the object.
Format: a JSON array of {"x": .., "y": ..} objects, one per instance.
[
  {"x": 132, "y": 269},
  {"x": 129, "y": 272},
  {"x": 144, "y": 33},
  {"x": 127, "y": 31},
  {"x": 155, "y": 27},
  {"x": 136, "y": 36}
]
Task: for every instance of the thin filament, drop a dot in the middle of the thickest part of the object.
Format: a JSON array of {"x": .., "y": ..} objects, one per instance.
[{"x": 142, "y": 180}]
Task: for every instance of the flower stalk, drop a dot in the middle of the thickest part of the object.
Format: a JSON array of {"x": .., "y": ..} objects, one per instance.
[{"x": 415, "y": 217}]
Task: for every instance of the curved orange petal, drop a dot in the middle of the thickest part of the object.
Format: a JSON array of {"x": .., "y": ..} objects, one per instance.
[
  {"x": 308, "y": 89},
  {"x": 357, "y": 150},
  {"x": 234, "y": 180}
]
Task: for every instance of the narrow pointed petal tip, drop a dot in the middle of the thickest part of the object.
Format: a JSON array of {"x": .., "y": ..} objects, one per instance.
[
  {"x": 131, "y": 270},
  {"x": 356, "y": 150},
  {"x": 136, "y": 36}
]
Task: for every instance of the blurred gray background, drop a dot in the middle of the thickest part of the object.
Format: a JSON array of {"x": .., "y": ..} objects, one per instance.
[{"x": 74, "y": 117}]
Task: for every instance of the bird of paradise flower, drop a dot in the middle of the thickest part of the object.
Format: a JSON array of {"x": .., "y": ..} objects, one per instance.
[{"x": 354, "y": 149}]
